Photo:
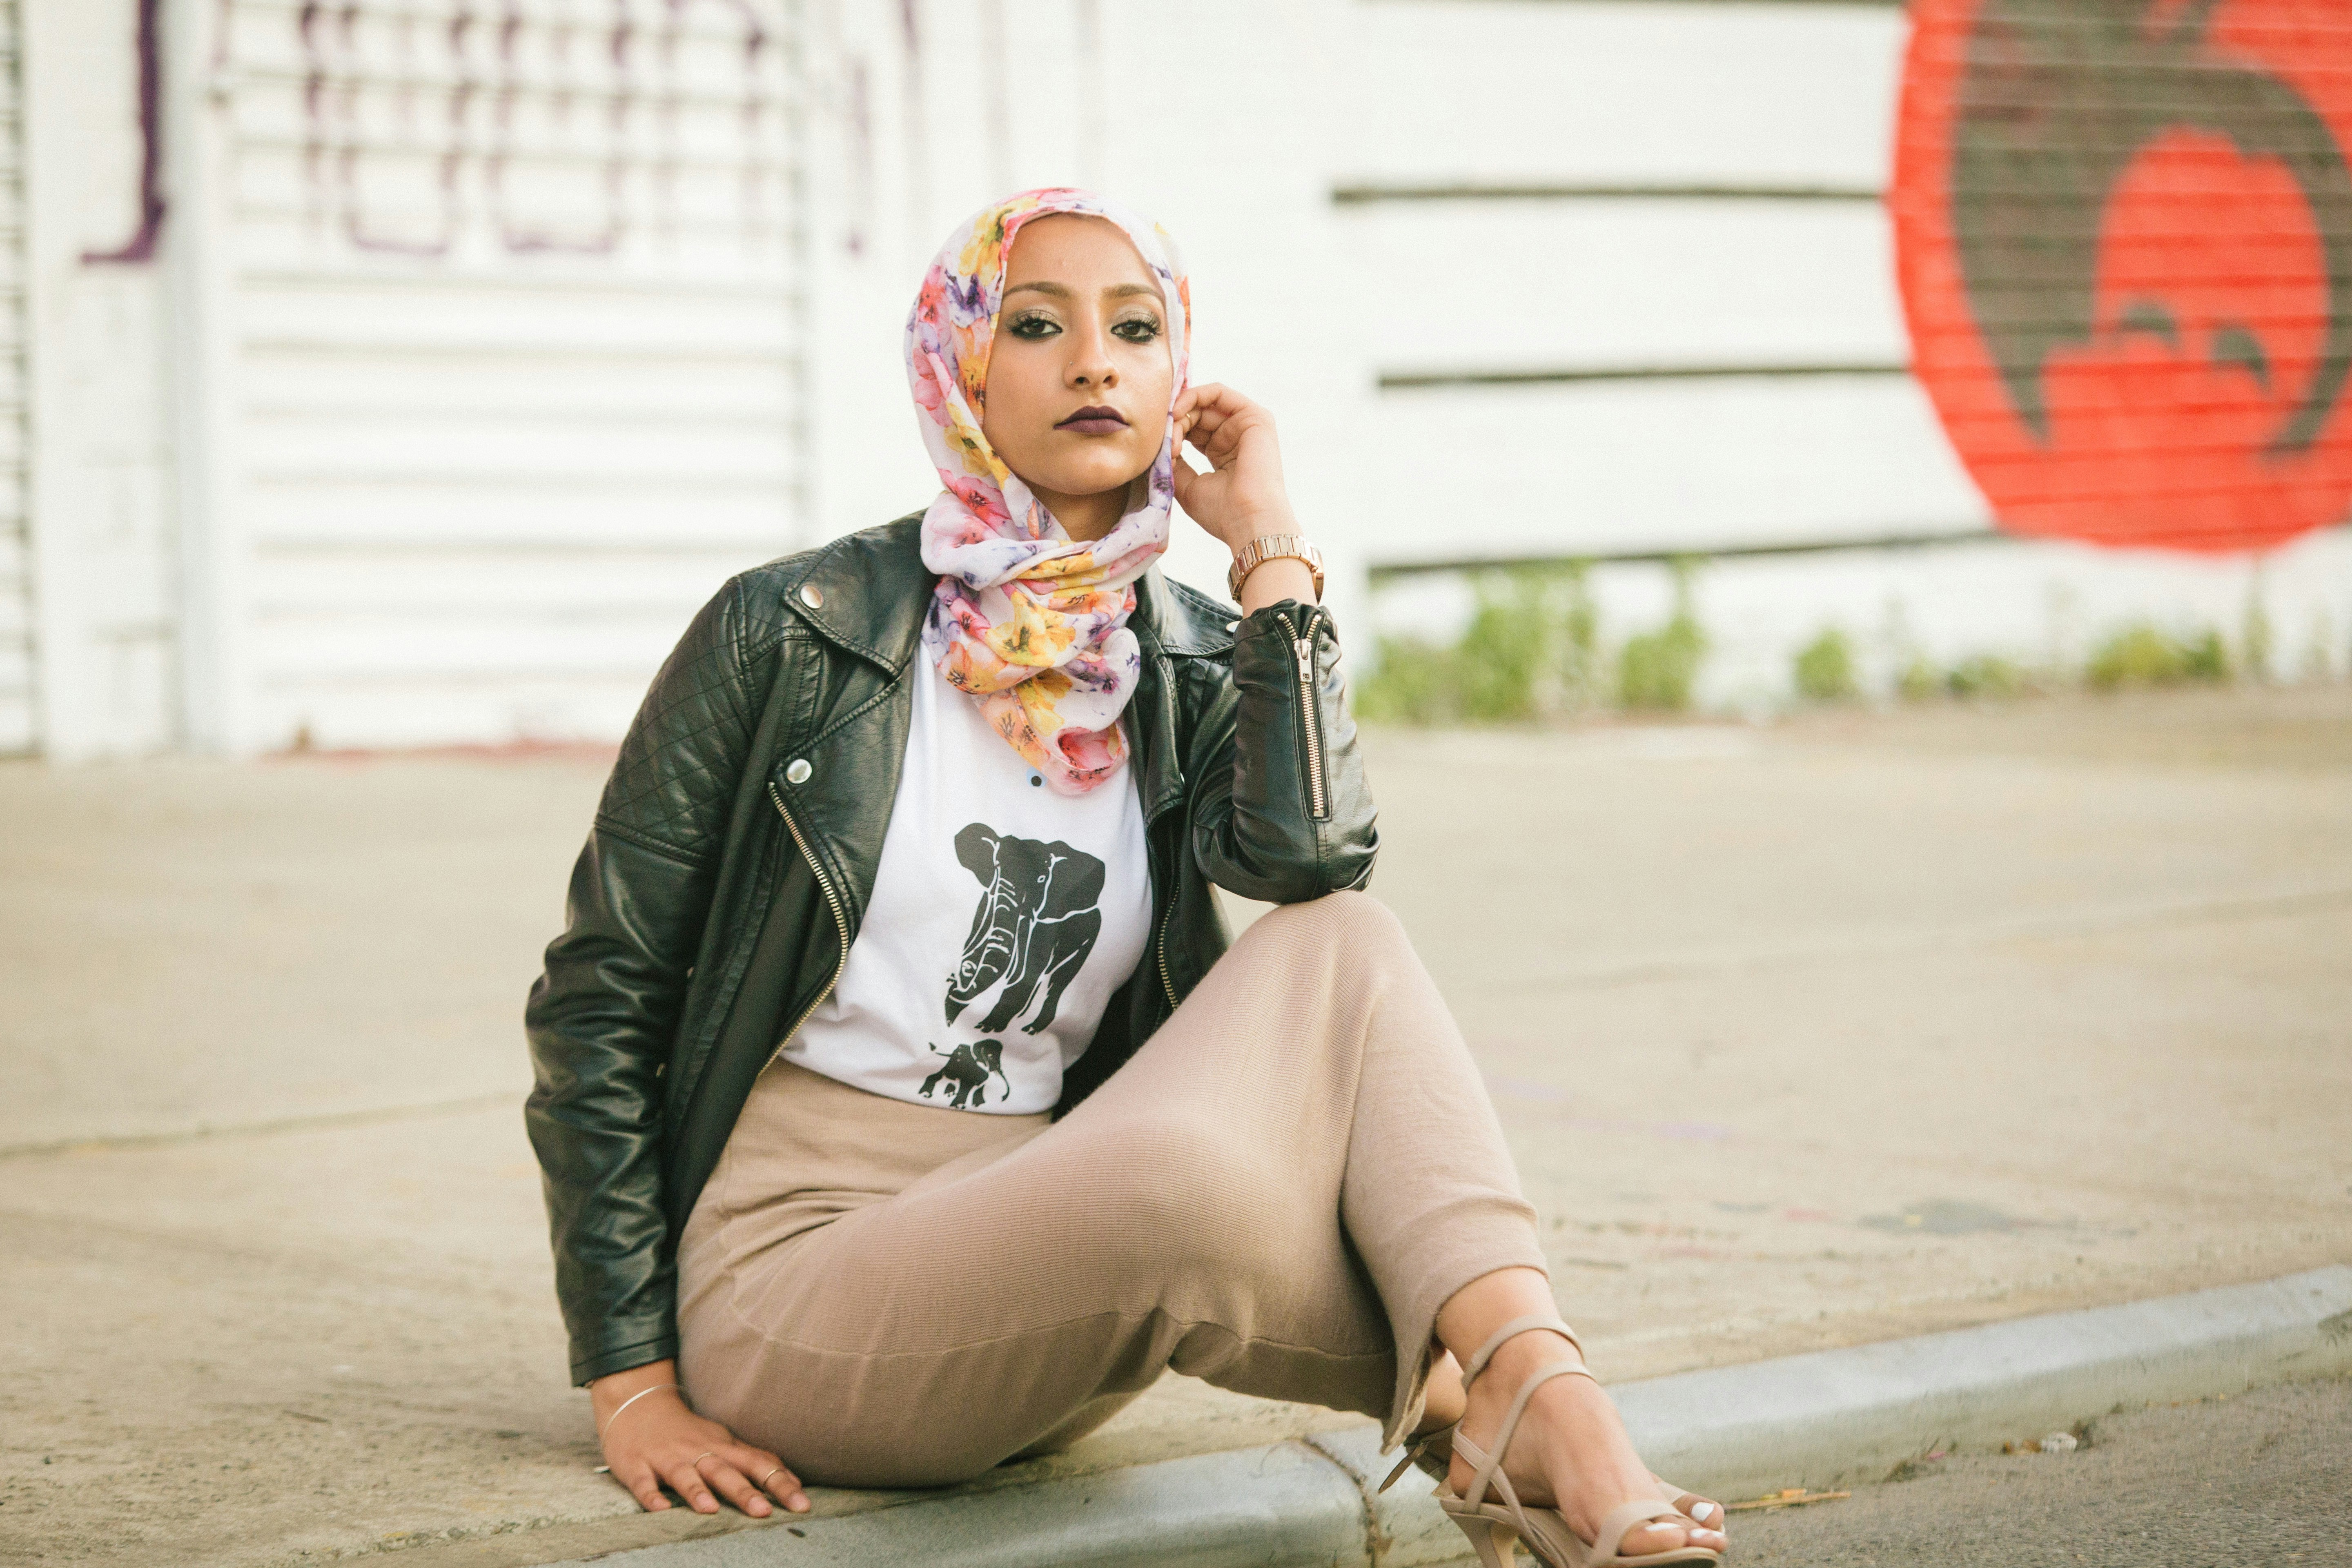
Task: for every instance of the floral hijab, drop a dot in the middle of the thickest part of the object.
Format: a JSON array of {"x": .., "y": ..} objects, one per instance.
[{"x": 1026, "y": 619}]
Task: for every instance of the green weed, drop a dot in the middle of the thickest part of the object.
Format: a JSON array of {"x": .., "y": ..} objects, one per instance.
[
  {"x": 2143, "y": 654},
  {"x": 1986, "y": 675},
  {"x": 1658, "y": 669},
  {"x": 1532, "y": 650},
  {"x": 1824, "y": 669}
]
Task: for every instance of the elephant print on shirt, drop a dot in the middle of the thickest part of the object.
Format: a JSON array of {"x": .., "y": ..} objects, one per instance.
[
  {"x": 966, "y": 1073},
  {"x": 1037, "y": 921}
]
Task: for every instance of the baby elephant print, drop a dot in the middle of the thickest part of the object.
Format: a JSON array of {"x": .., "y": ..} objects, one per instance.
[
  {"x": 1036, "y": 922},
  {"x": 966, "y": 1073}
]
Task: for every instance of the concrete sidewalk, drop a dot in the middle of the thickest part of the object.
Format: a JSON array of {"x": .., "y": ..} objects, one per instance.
[{"x": 1852, "y": 1028}]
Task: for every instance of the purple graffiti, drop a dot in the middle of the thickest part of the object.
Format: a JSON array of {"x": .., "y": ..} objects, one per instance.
[
  {"x": 524, "y": 240},
  {"x": 322, "y": 100},
  {"x": 141, "y": 246}
]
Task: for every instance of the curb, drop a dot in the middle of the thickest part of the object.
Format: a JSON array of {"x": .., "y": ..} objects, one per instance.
[
  {"x": 1849, "y": 1413},
  {"x": 1733, "y": 1432}
]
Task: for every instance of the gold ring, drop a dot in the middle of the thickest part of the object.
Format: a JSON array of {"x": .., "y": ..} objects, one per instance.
[
  {"x": 763, "y": 1480},
  {"x": 703, "y": 1456}
]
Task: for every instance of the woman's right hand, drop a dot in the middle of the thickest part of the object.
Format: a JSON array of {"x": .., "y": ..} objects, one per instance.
[{"x": 659, "y": 1440}]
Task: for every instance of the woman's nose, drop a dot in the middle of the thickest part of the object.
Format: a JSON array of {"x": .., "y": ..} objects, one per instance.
[{"x": 1090, "y": 363}]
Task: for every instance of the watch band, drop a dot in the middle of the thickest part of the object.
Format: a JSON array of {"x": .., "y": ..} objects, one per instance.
[{"x": 1274, "y": 547}]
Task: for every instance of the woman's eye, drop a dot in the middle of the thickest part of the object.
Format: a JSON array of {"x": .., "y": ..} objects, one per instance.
[
  {"x": 1034, "y": 326},
  {"x": 1141, "y": 330}
]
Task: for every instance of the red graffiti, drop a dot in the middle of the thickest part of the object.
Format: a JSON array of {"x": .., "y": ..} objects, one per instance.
[{"x": 2124, "y": 233}]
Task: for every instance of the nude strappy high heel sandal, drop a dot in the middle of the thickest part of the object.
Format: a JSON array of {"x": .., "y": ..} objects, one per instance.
[{"x": 1495, "y": 1528}]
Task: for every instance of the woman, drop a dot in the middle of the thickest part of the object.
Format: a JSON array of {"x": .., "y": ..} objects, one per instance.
[{"x": 899, "y": 1099}]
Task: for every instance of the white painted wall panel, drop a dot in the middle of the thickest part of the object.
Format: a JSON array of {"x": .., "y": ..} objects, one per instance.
[
  {"x": 18, "y": 701},
  {"x": 1647, "y": 91},
  {"x": 520, "y": 344},
  {"x": 681, "y": 513},
  {"x": 1583, "y": 284},
  {"x": 413, "y": 448},
  {"x": 1649, "y": 98},
  {"x": 519, "y": 384},
  {"x": 1605, "y": 467},
  {"x": 516, "y": 314}
]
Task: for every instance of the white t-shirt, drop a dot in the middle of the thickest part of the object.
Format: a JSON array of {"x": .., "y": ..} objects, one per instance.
[{"x": 1004, "y": 916}]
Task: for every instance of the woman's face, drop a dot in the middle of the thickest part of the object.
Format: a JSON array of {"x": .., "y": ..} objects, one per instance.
[{"x": 1079, "y": 375}]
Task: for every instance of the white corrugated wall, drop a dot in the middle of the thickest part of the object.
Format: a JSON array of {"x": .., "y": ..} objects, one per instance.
[
  {"x": 1643, "y": 296},
  {"x": 515, "y": 318},
  {"x": 19, "y": 729}
]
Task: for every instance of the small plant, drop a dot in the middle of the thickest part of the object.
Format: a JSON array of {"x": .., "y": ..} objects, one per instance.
[
  {"x": 1824, "y": 669},
  {"x": 1583, "y": 672},
  {"x": 2142, "y": 655},
  {"x": 2318, "y": 663},
  {"x": 1412, "y": 682},
  {"x": 1986, "y": 675},
  {"x": 2208, "y": 659},
  {"x": 1531, "y": 652},
  {"x": 2255, "y": 642},
  {"x": 1510, "y": 659},
  {"x": 1920, "y": 679},
  {"x": 1659, "y": 669}
]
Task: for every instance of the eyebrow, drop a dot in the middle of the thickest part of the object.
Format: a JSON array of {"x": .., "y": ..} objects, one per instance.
[{"x": 1118, "y": 291}]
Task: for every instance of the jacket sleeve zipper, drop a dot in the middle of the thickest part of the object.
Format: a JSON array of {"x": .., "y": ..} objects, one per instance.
[
  {"x": 840, "y": 921},
  {"x": 1310, "y": 719}
]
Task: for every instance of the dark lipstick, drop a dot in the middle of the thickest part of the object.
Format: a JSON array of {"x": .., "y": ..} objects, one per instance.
[{"x": 1095, "y": 419}]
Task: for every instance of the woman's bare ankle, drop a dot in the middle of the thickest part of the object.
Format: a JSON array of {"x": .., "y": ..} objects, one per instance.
[{"x": 1442, "y": 1398}]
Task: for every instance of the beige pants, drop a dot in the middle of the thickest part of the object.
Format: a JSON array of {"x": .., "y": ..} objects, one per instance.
[{"x": 1275, "y": 1194}]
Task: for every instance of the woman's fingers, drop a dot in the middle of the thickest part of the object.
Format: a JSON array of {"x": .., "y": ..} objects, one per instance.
[
  {"x": 1184, "y": 476},
  {"x": 644, "y": 1486},
  {"x": 1214, "y": 418},
  {"x": 727, "y": 1477},
  {"x": 768, "y": 1473},
  {"x": 685, "y": 1479},
  {"x": 1205, "y": 425},
  {"x": 1199, "y": 396},
  {"x": 1213, "y": 398}
]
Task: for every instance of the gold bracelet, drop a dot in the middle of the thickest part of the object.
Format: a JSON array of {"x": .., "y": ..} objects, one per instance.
[{"x": 1269, "y": 547}]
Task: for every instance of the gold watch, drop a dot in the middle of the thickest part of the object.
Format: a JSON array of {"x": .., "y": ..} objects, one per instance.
[{"x": 1269, "y": 547}]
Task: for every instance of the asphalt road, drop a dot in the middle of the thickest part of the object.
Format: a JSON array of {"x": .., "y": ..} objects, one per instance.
[{"x": 2260, "y": 1479}]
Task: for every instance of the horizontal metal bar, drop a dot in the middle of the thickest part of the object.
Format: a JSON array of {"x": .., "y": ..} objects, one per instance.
[
  {"x": 1367, "y": 193},
  {"x": 1398, "y": 379},
  {"x": 1977, "y": 533},
  {"x": 518, "y": 354},
  {"x": 1860, "y": 4}
]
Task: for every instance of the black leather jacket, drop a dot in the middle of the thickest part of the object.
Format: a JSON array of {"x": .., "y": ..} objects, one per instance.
[{"x": 723, "y": 880}]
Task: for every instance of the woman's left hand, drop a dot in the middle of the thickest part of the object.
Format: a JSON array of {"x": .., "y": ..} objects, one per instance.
[{"x": 1242, "y": 495}]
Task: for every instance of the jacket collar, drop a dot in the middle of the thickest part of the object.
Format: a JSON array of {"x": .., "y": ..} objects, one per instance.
[{"x": 868, "y": 591}]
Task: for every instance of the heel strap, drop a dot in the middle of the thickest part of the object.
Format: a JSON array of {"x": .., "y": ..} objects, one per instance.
[
  {"x": 1428, "y": 1445},
  {"x": 1512, "y": 1330}
]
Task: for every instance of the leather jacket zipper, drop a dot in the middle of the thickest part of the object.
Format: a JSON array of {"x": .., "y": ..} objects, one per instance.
[
  {"x": 1302, "y": 647},
  {"x": 840, "y": 921},
  {"x": 1166, "y": 984}
]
